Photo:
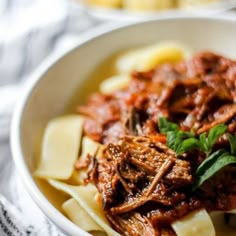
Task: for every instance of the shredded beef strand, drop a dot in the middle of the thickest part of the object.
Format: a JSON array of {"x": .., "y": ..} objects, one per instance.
[
  {"x": 164, "y": 168},
  {"x": 134, "y": 225}
]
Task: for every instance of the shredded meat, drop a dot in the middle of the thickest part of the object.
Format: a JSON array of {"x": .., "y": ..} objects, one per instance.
[
  {"x": 196, "y": 94},
  {"x": 144, "y": 186},
  {"x": 135, "y": 172},
  {"x": 134, "y": 224}
]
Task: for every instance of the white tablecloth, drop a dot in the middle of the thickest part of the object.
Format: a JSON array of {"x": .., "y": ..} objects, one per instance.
[{"x": 30, "y": 30}]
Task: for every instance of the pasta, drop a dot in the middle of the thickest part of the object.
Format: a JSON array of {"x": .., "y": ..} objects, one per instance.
[
  {"x": 142, "y": 158},
  {"x": 61, "y": 139},
  {"x": 79, "y": 216},
  {"x": 86, "y": 197},
  {"x": 114, "y": 83},
  {"x": 149, "y": 57},
  {"x": 89, "y": 147},
  {"x": 195, "y": 223}
]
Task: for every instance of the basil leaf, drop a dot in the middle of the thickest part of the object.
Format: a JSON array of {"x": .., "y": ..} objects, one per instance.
[
  {"x": 203, "y": 144},
  {"x": 220, "y": 163},
  {"x": 208, "y": 162},
  {"x": 166, "y": 126},
  {"x": 178, "y": 139},
  {"x": 181, "y": 141},
  {"x": 216, "y": 132},
  {"x": 213, "y": 135},
  {"x": 171, "y": 139},
  {"x": 232, "y": 142},
  {"x": 186, "y": 145}
]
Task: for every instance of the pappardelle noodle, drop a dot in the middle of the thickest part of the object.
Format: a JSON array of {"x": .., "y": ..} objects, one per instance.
[{"x": 154, "y": 151}]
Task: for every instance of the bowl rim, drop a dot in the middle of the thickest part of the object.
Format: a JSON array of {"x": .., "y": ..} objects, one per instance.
[{"x": 26, "y": 177}]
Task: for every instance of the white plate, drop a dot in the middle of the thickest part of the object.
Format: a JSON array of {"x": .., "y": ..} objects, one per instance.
[{"x": 102, "y": 13}]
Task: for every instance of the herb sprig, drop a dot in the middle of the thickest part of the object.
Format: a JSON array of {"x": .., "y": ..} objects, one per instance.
[
  {"x": 207, "y": 141},
  {"x": 178, "y": 140},
  {"x": 181, "y": 141}
]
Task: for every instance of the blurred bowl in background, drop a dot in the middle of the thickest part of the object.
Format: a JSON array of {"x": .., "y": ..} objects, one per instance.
[{"x": 119, "y": 14}]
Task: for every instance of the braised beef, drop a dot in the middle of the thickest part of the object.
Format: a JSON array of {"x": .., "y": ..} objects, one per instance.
[
  {"x": 144, "y": 185},
  {"x": 135, "y": 172},
  {"x": 193, "y": 93}
]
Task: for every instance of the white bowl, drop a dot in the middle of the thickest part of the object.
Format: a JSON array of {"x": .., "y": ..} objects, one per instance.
[
  {"x": 103, "y": 13},
  {"x": 54, "y": 83}
]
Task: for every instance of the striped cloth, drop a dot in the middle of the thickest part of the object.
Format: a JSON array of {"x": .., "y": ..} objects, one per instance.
[{"x": 30, "y": 30}]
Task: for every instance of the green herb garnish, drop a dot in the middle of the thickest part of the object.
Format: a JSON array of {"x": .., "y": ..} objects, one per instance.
[
  {"x": 182, "y": 141},
  {"x": 178, "y": 140},
  {"x": 207, "y": 142},
  {"x": 208, "y": 171},
  {"x": 232, "y": 142},
  {"x": 166, "y": 126}
]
